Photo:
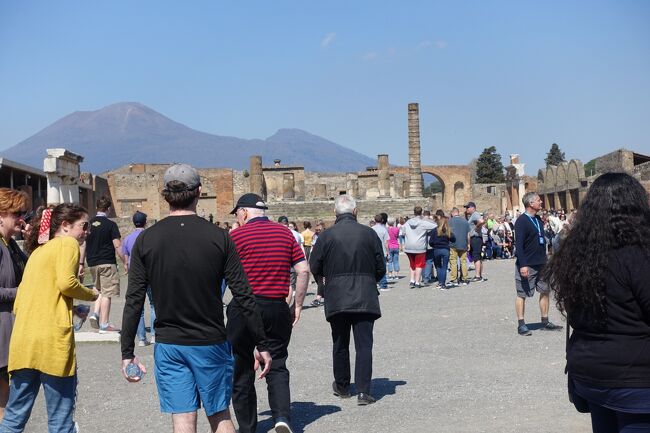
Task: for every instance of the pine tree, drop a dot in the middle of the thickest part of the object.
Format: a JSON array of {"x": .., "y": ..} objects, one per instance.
[
  {"x": 554, "y": 156},
  {"x": 489, "y": 168}
]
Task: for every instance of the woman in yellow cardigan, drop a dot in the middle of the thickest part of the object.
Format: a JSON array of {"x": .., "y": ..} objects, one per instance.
[{"x": 42, "y": 347}]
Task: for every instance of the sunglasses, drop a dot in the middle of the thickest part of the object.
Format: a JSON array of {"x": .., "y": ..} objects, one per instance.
[
  {"x": 20, "y": 214},
  {"x": 85, "y": 226}
]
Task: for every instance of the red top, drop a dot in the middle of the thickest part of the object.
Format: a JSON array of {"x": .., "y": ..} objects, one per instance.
[{"x": 267, "y": 251}]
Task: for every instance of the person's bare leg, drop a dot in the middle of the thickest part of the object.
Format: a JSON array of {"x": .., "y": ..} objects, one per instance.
[
  {"x": 105, "y": 310},
  {"x": 418, "y": 275},
  {"x": 97, "y": 307},
  {"x": 220, "y": 422},
  {"x": 477, "y": 266},
  {"x": 412, "y": 274},
  {"x": 520, "y": 307},
  {"x": 543, "y": 304},
  {"x": 184, "y": 422},
  {"x": 4, "y": 397}
]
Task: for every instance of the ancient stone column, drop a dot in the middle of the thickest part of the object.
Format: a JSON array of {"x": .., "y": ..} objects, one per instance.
[
  {"x": 256, "y": 180},
  {"x": 288, "y": 186},
  {"x": 415, "y": 164},
  {"x": 384, "y": 176},
  {"x": 321, "y": 191},
  {"x": 62, "y": 169}
]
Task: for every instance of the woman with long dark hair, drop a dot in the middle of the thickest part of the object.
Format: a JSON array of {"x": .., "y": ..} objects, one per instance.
[
  {"x": 601, "y": 279},
  {"x": 42, "y": 348}
]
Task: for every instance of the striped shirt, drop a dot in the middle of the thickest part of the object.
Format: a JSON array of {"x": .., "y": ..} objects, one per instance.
[{"x": 267, "y": 251}]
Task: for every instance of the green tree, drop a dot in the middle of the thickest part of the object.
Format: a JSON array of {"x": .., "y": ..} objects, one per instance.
[
  {"x": 590, "y": 168},
  {"x": 489, "y": 168},
  {"x": 554, "y": 156}
]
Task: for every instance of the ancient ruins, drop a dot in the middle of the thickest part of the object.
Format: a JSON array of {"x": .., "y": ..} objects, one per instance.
[{"x": 302, "y": 195}]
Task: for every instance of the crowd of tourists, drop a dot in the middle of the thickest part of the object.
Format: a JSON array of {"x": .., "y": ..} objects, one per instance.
[{"x": 208, "y": 357}]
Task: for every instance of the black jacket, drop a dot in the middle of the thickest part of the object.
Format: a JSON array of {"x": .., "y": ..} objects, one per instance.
[{"x": 350, "y": 257}]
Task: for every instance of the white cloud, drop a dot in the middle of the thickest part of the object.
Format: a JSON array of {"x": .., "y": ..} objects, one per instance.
[
  {"x": 424, "y": 44},
  {"x": 370, "y": 56},
  {"x": 392, "y": 51},
  {"x": 441, "y": 44},
  {"x": 327, "y": 40}
]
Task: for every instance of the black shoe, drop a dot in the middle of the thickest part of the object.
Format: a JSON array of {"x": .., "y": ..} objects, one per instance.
[
  {"x": 339, "y": 391},
  {"x": 364, "y": 399},
  {"x": 282, "y": 425},
  {"x": 550, "y": 326},
  {"x": 523, "y": 330},
  {"x": 412, "y": 285}
]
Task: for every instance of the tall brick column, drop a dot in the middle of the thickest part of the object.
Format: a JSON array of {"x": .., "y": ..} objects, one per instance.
[
  {"x": 383, "y": 175},
  {"x": 415, "y": 163},
  {"x": 256, "y": 177}
]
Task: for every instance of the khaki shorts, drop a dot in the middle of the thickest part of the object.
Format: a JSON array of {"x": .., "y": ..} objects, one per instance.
[{"x": 106, "y": 280}]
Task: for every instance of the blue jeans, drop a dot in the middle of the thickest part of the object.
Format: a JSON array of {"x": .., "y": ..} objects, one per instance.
[
  {"x": 441, "y": 259},
  {"x": 60, "y": 395},
  {"x": 142, "y": 331},
  {"x": 393, "y": 260},
  {"x": 427, "y": 272}
]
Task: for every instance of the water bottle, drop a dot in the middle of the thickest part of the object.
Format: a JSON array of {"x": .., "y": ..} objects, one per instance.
[
  {"x": 80, "y": 313},
  {"x": 133, "y": 371}
]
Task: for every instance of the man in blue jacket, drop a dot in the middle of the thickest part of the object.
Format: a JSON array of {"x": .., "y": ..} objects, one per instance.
[{"x": 350, "y": 257}]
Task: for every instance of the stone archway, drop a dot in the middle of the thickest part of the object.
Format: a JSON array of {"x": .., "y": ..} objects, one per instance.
[
  {"x": 436, "y": 199},
  {"x": 456, "y": 181}
]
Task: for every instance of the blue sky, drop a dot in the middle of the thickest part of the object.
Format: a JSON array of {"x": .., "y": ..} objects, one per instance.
[{"x": 518, "y": 75}]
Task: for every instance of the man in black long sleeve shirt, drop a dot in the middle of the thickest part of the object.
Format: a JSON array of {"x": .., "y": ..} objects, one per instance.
[
  {"x": 531, "y": 258},
  {"x": 184, "y": 258}
]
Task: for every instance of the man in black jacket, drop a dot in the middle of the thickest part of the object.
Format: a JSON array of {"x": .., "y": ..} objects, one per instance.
[{"x": 350, "y": 258}]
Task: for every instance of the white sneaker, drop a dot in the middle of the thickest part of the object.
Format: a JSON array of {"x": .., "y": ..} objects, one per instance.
[
  {"x": 153, "y": 339},
  {"x": 143, "y": 343},
  {"x": 282, "y": 427}
]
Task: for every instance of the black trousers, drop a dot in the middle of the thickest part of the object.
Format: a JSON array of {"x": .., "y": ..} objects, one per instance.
[
  {"x": 361, "y": 325},
  {"x": 277, "y": 325}
]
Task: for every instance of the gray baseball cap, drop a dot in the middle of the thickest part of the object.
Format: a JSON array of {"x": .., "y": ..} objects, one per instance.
[{"x": 182, "y": 173}]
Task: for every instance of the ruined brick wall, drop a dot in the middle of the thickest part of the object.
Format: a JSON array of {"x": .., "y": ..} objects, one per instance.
[
  {"x": 488, "y": 197},
  {"x": 284, "y": 183},
  {"x": 324, "y": 186},
  {"x": 619, "y": 160}
]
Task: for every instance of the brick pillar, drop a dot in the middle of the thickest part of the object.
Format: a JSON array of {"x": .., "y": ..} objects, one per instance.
[
  {"x": 256, "y": 179},
  {"x": 415, "y": 163},
  {"x": 383, "y": 175}
]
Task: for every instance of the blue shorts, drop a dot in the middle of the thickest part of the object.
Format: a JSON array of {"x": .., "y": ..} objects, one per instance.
[{"x": 187, "y": 376}]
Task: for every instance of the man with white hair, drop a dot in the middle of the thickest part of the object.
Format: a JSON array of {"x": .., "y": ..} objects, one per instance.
[
  {"x": 350, "y": 257},
  {"x": 267, "y": 251},
  {"x": 531, "y": 259}
]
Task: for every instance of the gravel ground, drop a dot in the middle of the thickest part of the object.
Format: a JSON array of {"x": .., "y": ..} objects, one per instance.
[{"x": 443, "y": 362}]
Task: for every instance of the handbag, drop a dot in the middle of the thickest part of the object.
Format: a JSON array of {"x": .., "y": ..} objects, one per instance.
[{"x": 580, "y": 403}]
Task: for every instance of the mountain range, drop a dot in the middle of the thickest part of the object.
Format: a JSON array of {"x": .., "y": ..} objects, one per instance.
[{"x": 129, "y": 132}]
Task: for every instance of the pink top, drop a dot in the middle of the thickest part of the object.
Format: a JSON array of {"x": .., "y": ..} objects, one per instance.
[{"x": 393, "y": 234}]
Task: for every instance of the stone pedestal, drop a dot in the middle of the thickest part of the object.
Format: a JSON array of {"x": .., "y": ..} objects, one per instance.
[{"x": 62, "y": 170}]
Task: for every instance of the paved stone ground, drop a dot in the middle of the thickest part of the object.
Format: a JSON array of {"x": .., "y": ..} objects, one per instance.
[{"x": 443, "y": 362}]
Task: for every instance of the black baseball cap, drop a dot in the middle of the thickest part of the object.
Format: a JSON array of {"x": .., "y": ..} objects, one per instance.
[
  {"x": 470, "y": 204},
  {"x": 139, "y": 219},
  {"x": 250, "y": 200},
  {"x": 283, "y": 219}
]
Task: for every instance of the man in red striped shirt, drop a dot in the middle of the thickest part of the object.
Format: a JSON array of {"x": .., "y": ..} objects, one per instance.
[{"x": 268, "y": 251}]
